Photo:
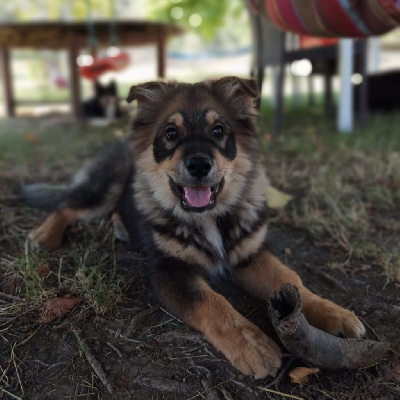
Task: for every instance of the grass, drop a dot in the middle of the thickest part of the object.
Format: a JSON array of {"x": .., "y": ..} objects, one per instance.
[
  {"x": 346, "y": 187},
  {"x": 346, "y": 195}
]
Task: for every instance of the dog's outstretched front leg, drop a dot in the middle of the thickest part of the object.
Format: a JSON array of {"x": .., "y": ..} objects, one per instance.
[
  {"x": 186, "y": 294},
  {"x": 266, "y": 274}
]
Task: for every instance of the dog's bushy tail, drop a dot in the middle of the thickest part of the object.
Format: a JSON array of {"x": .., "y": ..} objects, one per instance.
[{"x": 43, "y": 196}]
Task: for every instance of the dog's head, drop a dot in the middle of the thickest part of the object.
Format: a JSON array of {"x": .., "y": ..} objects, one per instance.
[{"x": 195, "y": 144}]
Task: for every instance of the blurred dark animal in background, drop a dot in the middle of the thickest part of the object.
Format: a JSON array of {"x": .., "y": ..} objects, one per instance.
[
  {"x": 104, "y": 103},
  {"x": 383, "y": 91}
]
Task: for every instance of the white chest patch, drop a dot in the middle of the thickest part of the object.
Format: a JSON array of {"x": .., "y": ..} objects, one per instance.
[{"x": 214, "y": 239}]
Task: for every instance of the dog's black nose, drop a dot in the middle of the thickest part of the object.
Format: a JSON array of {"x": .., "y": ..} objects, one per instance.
[{"x": 198, "y": 166}]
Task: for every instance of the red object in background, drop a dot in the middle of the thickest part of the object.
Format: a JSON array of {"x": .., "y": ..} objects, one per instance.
[
  {"x": 105, "y": 64},
  {"x": 313, "y": 41},
  {"x": 60, "y": 82}
]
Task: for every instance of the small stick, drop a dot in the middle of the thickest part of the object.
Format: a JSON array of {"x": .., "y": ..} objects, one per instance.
[
  {"x": 290, "y": 396},
  {"x": 115, "y": 349},
  {"x": 280, "y": 375},
  {"x": 137, "y": 317},
  {"x": 97, "y": 368},
  {"x": 313, "y": 345},
  {"x": 200, "y": 394},
  {"x": 326, "y": 277},
  {"x": 172, "y": 336},
  {"x": 158, "y": 325},
  {"x": 10, "y": 296}
]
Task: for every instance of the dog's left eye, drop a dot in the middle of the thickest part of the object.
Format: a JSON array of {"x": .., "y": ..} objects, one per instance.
[
  {"x": 218, "y": 132},
  {"x": 171, "y": 134}
]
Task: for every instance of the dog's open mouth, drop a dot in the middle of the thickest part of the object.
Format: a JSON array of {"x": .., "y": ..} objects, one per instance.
[{"x": 198, "y": 197}]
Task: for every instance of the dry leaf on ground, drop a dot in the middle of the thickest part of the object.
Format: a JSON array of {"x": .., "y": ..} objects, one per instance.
[
  {"x": 43, "y": 270},
  {"x": 300, "y": 374},
  {"x": 57, "y": 308},
  {"x": 275, "y": 198},
  {"x": 31, "y": 137}
]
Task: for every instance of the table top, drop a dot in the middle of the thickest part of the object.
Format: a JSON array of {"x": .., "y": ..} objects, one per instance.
[{"x": 60, "y": 34}]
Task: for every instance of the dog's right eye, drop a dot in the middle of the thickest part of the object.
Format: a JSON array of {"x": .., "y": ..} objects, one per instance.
[{"x": 171, "y": 134}]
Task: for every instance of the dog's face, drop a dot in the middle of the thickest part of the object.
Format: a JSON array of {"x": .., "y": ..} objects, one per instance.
[{"x": 195, "y": 144}]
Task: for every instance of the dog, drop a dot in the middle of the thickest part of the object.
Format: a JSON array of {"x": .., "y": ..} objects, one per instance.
[
  {"x": 189, "y": 188},
  {"x": 104, "y": 103}
]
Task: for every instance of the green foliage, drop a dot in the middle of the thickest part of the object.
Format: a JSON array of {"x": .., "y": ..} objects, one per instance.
[
  {"x": 213, "y": 13},
  {"x": 25, "y": 10}
]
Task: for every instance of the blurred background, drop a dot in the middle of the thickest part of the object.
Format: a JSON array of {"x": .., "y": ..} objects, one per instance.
[
  {"x": 218, "y": 40},
  {"x": 66, "y": 67}
]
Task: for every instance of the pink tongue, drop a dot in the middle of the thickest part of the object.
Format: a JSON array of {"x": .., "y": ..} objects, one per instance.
[{"x": 197, "y": 196}]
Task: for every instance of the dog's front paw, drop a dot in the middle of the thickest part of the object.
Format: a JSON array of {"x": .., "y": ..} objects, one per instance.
[
  {"x": 331, "y": 318},
  {"x": 250, "y": 350}
]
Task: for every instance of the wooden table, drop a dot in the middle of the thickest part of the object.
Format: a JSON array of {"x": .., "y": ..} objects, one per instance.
[{"x": 73, "y": 36}]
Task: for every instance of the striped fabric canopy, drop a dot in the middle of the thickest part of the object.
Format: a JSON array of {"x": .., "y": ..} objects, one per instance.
[{"x": 334, "y": 18}]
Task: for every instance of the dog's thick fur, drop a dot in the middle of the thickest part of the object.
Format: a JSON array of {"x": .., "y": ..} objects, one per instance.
[{"x": 190, "y": 190}]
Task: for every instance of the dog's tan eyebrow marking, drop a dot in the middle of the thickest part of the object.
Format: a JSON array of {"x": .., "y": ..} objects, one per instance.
[
  {"x": 176, "y": 119},
  {"x": 212, "y": 117}
]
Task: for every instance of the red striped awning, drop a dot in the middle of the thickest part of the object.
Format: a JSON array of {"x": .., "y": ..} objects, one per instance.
[{"x": 331, "y": 18}]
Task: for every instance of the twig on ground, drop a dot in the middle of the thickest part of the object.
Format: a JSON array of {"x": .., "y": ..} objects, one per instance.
[
  {"x": 164, "y": 385},
  {"x": 211, "y": 393},
  {"x": 280, "y": 375},
  {"x": 115, "y": 349},
  {"x": 201, "y": 394},
  {"x": 46, "y": 364},
  {"x": 171, "y": 315},
  {"x": 97, "y": 368},
  {"x": 13, "y": 396},
  {"x": 291, "y": 396},
  {"x": 171, "y": 336},
  {"x": 16, "y": 368},
  {"x": 158, "y": 325},
  {"x": 226, "y": 394},
  {"x": 370, "y": 328},
  {"x": 324, "y": 276},
  {"x": 243, "y": 385},
  {"x": 137, "y": 317},
  {"x": 10, "y": 296}
]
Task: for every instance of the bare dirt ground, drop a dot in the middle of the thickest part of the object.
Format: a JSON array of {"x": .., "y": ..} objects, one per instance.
[{"x": 122, "y": 330}]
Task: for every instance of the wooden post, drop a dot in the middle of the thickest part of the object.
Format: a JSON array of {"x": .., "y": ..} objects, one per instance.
[
  {"x": 161, "y": 54},
  {"x": 310, "y": 84},
  {"x": 328, "y": 95},
  {"x": 363, "y": 98},
  {"x": 6, "y": 76},
  {"x": 279, "y": 97},
  {"x": 75, "y": 84}
]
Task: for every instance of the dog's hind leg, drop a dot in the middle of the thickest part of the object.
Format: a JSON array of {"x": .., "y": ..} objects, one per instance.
[
  {"x": 50, "y": 234},
  {"x": 94, "y": 192}
]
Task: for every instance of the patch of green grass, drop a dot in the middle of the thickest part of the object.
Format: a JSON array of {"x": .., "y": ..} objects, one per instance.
[
  {"x": 30, "y": 144},
  {"x": 101, "y": 287}
]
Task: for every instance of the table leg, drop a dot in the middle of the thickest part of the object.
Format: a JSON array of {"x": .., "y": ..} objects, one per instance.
[
  {"x": 161, "y": 55},
  {"x": 6, "y": 77},
  {"x": 345, "y": 111},
  {"x": 75, "y": 86},
  {"x": 363, "y": 98}
]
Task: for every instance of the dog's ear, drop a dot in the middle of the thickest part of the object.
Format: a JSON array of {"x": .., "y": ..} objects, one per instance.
[
  {"x": 232, "y": 86},
  {"x": 150, "y": 91}
]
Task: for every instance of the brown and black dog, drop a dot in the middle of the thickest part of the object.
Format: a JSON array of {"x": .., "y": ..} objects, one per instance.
[{"x": 190, "y": 190}]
